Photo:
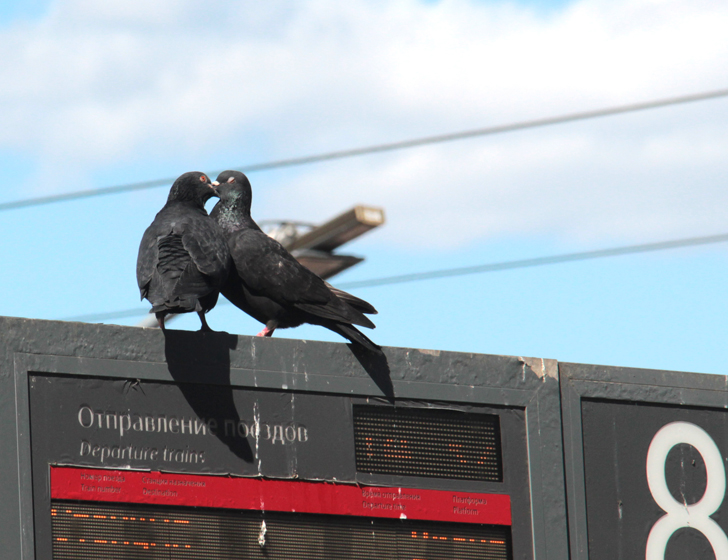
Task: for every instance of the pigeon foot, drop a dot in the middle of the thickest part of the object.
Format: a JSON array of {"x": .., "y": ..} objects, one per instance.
[
  {"x": 160, "y": 321},
  {"x": 205, "y": 327},
  {"x": 266, "y": 332}
]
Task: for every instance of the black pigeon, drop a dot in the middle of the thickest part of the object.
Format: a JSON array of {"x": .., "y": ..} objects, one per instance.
[
  {"x": 183, "y": 257},
  {"x": 269, "y": 284}
]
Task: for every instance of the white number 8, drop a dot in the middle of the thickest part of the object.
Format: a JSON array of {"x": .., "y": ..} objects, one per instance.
[{"x": 678, "y": 514}]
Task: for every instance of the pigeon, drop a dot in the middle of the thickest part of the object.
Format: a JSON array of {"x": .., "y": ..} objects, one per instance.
[
  {"x": 269, "y": 284},
  {"x": 183, "y": 257}
]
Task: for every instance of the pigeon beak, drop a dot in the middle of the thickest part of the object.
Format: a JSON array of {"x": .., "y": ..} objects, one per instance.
[
  {"x": 215, "y": 184},
  {"x": 212, "y": 186}
]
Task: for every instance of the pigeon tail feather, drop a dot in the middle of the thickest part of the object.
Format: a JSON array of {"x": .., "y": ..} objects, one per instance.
[
  {"x": 355, "y": 302},
  {"x": 354, "y": 335}
]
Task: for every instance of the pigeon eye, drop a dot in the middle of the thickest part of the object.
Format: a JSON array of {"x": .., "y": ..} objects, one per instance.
[
  {"x": 231, "y": 180},
  {"x": 203, "y": 179}
]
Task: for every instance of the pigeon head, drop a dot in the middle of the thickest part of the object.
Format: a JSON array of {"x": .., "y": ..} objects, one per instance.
[
  {"x": 234, "y": 190},
  {"x": 194, "y": 187}
]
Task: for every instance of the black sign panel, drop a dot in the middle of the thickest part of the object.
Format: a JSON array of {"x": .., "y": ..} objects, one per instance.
[
  {"x": 240, "y": 431},
  {"x": 190, "y": 428},
  {"x": 655, "y": 480},
  {"x": 103, "y": 396}
]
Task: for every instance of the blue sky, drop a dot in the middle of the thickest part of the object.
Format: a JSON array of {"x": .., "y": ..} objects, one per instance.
[
  {"x": 14, "y": 10},
  {"x": 99, "y": 94}
]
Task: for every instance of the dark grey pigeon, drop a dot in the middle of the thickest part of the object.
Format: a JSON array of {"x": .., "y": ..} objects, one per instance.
[
  {"x": 269, "y": 284},
  {"x": 183, "y": 257}
]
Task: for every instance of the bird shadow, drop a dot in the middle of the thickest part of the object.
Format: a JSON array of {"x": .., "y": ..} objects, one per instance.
[
  {"x": 377, "y": 366},
  {"x": 193, "y": 357}
]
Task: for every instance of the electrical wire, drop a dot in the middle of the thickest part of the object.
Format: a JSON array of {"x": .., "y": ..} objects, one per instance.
[
  {"x": 388, "y": 147},
  {"x": 479, "y": 269}
]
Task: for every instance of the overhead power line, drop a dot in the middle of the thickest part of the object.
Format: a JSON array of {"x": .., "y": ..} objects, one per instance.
[
  {"x": 387, "y": 147},
  {"x": 539, "y": 261},
  {"x": 479, "y": 269}
]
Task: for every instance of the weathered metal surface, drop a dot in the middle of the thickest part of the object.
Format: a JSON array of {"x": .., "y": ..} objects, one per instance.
[
  {"x": 57, "y": 379},
  {"x": 638, "y": 447}
]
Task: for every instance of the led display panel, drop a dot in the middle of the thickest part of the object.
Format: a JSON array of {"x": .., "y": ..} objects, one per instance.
[
  {"x": 140, "y": 515},
  {"x": 94, "y": 530},
  {"x": 427, "y": 442}
]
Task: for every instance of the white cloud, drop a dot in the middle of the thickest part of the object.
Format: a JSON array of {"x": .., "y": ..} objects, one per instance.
[{"x": 97, "y": 84}]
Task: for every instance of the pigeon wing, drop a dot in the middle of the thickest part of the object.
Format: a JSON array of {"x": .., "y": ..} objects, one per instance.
[
  {"x": 206, "y": 246},
  {"x": 267, "y": 269},
  {"x": 337, "y": 311},
  {"x": 147, "y": 260}
]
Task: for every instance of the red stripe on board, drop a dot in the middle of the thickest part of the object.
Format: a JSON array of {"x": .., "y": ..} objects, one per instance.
[{"x": 71, "y": 483}]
